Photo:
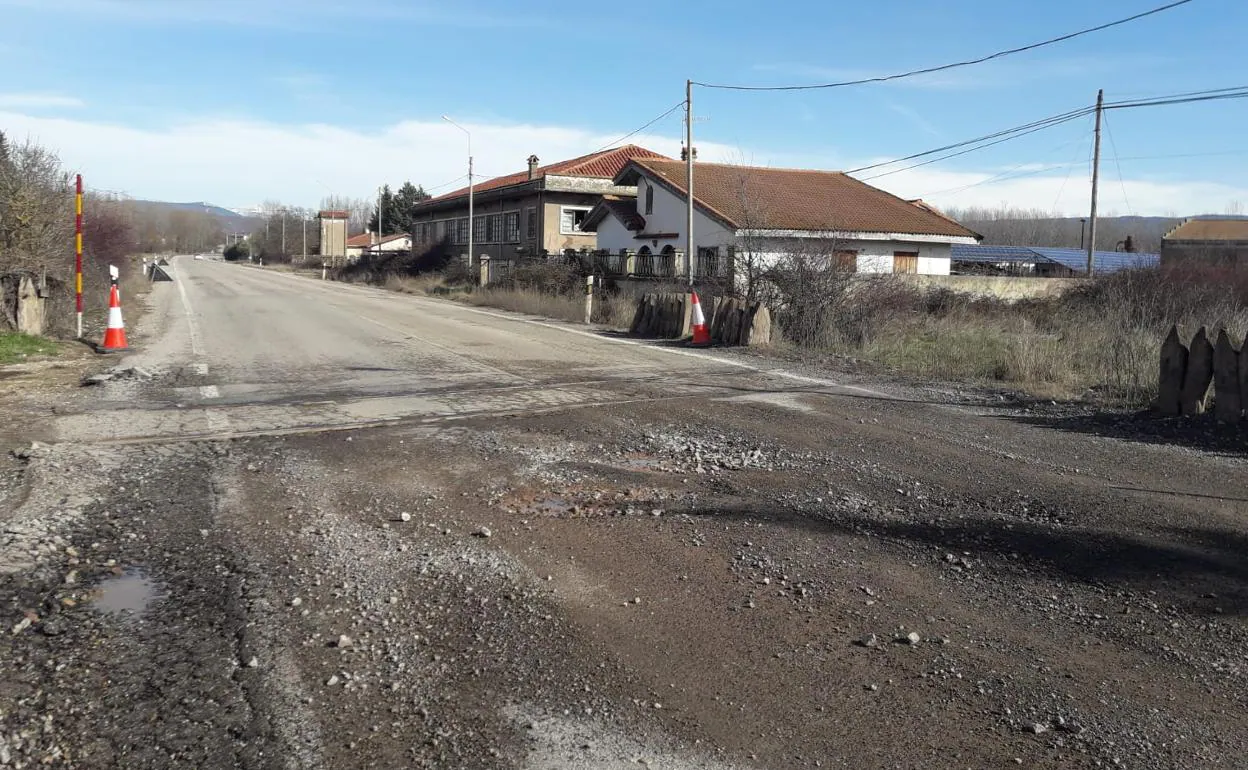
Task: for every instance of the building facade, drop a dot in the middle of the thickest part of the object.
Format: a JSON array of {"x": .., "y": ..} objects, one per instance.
[
  {"x": 542, "y": 209},
  {"x": 1213, "y": 241},
  {"x": 762, "y": 214}
]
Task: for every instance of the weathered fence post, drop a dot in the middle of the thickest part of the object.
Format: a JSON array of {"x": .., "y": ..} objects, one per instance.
[
  {"x": 1199, "y": 374},
  {"x": 1227, "y": 403},
  {"x": 1173, "y": 370}
]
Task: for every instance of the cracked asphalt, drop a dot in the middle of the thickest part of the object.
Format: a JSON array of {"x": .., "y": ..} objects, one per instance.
[{"x": 314, "y": 525}]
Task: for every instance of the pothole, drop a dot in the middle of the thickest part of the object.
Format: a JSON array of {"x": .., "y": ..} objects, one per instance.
[{"x": 130, "y": 593}]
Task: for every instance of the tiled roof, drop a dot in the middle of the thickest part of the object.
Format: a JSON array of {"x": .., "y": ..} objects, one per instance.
[
  {"x": 366, "y": 239},
  {"x": 1221, "y": 229},
  {"x": 604, "y": 165},
  {"x": 793, "y": 199},
  {"x": 333, "y": 214}
]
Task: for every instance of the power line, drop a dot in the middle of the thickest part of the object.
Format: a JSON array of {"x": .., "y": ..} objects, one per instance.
[
  {"x": 943, "y": 67},
  {"x": 977, "y": 147},
  {"x": 1114, "y": 147},
  {"x": 1179, "y": 99},
  {"x": 631, "y": 134},
  {"x": 1042, "y": 123}
]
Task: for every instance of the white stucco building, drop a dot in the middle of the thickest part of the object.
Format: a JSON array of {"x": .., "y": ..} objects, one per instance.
[
  {"x": 369, "y": 243},
  {"x": 770, "y": 212}
]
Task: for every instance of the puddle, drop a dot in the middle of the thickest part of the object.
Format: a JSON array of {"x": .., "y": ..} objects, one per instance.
[{"x": 130, "y": 593}]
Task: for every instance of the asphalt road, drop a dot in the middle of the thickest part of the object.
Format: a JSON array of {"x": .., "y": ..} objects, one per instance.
[{"x": 332, "y": 526}]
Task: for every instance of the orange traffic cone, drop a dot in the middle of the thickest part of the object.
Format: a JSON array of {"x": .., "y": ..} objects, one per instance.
[
  {"x": 115, "y": 335},
  {"x": 701, "y": 334}
]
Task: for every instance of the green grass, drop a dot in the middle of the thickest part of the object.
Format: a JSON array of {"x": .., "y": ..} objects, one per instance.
[{"x": 18, "y": 347}]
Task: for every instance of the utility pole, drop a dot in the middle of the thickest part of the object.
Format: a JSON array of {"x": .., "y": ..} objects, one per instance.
[
  {"x": 1096, "y": 175},
  {"x": 283, "y": 231},
  {"x": 303, "y": 220},
  {"x": 689, "y": 179}
]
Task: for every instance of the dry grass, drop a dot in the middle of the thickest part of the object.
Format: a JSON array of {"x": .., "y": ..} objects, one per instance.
[
  {"x": 429, "y": 283},
  {"x": 1099, "y": 343},
  {"x": 555, "y": 306}
]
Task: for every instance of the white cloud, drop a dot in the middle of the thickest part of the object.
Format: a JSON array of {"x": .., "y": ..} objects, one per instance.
[
  {"x": 35, "y": 101},
  {"x": 240, "y": 163}
]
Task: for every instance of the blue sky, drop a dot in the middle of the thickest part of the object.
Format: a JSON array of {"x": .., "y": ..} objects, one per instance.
[{"x": 239, "y": 101}]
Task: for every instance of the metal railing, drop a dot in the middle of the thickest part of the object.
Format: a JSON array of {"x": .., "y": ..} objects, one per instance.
[{"x": 655, "y": 265}]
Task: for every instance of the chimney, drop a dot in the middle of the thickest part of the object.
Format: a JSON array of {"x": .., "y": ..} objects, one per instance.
[{"x": 532, "y": 167}]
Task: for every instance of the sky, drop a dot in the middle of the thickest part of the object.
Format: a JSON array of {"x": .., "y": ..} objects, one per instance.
[{"x": 235, "y": 102}]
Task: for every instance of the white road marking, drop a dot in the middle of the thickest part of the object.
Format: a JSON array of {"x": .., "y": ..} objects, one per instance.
[
  {"x": 209, "y": 391},
  {"x": 197, "y": 346},
  {"x": 200, "y": 369}
]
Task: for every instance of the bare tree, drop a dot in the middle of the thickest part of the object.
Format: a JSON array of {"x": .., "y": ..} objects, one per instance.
[
  {"x": 359, "y": 210},
  {"x": 36, "y": 208}
]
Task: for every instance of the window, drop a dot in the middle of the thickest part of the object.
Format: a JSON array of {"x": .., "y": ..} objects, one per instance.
[
  {"x": 494, "y": 229},
  {"x": 461, "y": 226},
  {"x": 571, "y": 219},
  {"x": 649, "y": 199},
  {"x": 478, "y": 229},
  {"x": 708, "y": 262},
  {"x": 905, "y": 262},
  {"x": 532, "y": 226},
  {"x": 439, "y": 231},
  {"x": 846, "y": 260},
  {"x": 511, "y": 226}
]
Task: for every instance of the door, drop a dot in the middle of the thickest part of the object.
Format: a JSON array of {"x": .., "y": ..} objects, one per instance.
[{"x": 905, "y": 262}]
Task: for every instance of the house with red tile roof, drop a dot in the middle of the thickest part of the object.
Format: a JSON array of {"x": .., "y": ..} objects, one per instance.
[
  {"x": 772, "y": 211},
  {"x": 369, "y": 243},
  {"x": 542, "y": 208}
]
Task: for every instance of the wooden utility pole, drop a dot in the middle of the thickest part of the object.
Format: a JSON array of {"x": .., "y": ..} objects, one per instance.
[{"x": 1096, "y": 175}]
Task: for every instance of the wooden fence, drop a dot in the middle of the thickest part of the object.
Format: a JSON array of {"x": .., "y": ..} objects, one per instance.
[{"x": 1188, "y": 371}]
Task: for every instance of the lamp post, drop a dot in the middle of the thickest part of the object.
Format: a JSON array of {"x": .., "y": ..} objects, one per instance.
[{"x": 471, "y": 223}]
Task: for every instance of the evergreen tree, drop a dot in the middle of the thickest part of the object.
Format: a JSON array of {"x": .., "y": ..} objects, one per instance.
[{"x": 397, "y": 207}]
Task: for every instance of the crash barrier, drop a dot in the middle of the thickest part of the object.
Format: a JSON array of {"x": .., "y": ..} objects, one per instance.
[
  {"x": 733, "y": 321},
  {"x": 1188, "y": 371}
]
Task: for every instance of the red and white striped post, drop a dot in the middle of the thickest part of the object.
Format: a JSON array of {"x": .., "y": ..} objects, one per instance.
[{"x": 78, "y": 253}]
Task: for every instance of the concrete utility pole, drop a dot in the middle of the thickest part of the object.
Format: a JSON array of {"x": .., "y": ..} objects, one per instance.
[
  {"x": 283, "y": 231},
  {"x": 1096, "y": 176},
  {"x": 470, "y": 222},
  {"x": 689, "y": 179},
  {"x": 304, "y": 221}
]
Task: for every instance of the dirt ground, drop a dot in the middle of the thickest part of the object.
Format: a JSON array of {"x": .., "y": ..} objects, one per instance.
[{"x": 312, "y": 528}]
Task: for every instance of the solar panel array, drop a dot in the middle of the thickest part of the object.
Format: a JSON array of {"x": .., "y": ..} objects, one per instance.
[{"x": 1074, "y": 259}]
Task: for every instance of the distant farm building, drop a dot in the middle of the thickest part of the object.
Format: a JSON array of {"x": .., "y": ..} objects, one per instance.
[
  {"x": 1210, "y": 240},
  {"x": 1041, "y": 261}
]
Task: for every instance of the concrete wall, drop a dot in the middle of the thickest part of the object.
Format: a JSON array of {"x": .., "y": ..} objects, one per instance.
[
  {"x": 1000, "y": 287},
  {"x": 333, "y": 237},
  {"x": 1208, "y": 252}
]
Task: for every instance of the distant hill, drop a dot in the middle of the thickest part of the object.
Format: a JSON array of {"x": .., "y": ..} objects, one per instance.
[
  {"x": 1023, "y": 228},
  {"x": 231, "y": 220}
]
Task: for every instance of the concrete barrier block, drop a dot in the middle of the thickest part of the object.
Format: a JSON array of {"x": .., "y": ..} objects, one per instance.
[
  {"x": 1227, "y": 404},
  {"x": 1173, "y": 370},
  {"x": 1193, "y": 399},
  {"x": 760, "y": 327}
]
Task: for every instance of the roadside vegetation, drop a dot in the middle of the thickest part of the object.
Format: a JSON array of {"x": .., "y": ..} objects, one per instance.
[
  {"x": 37, "y": 236},
  {"x": 15, "y": 347},
  {"x": 1098, "y": 342}
]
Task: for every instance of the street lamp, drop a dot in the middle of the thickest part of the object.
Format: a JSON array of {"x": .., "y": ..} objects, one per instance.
[{"x": 471, "y": 223}]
